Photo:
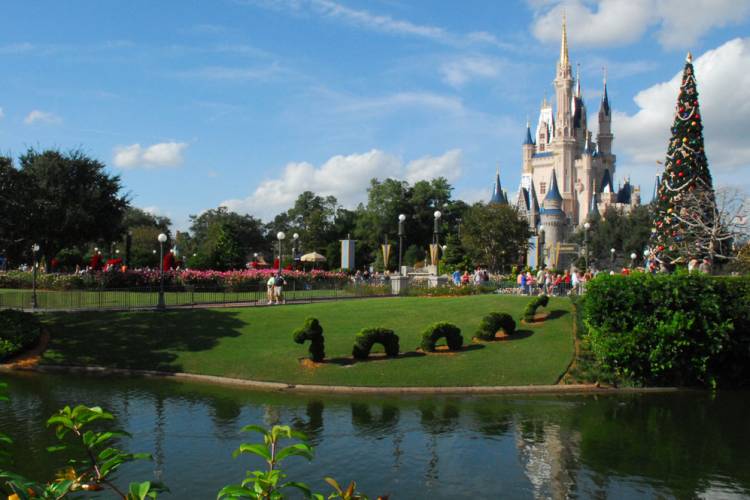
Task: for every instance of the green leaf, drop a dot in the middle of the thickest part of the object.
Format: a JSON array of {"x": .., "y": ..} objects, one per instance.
[
  {"x": 334, "y": 484},
  {"x": 55, "y": 449},
  {"x": 299, "y": 449},
  {"x": 254, "y": 448},
  {"x": 235, "y": 491},
  {"x": 300, "y": 486},
  {"x": 254, "y": 428}
]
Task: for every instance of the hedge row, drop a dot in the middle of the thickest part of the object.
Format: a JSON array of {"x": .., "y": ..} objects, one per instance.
[
  {"x": 18, "y": 331},
  {"x": 671, "y": 329}
]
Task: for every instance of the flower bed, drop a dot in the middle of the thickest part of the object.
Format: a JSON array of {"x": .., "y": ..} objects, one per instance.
[{"x": 249, "y": 279}]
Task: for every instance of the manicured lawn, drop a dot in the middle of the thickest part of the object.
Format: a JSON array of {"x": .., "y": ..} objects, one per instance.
[{"x": 256, "y": 343}]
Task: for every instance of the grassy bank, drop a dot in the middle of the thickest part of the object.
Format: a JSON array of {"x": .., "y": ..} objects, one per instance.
[{"x": 256, "y": 343}]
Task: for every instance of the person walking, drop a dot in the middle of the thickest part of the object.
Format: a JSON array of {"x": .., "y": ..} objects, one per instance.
[
  {"x": 278, "y": 289},
  {"x": 270, "y": 289}
]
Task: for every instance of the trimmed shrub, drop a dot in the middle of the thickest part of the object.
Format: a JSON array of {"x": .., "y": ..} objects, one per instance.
[
  {"x": 493, "y": 323},
  {"x": 434, "y": 332},
  {"x": 671, "y": 329},
  {"x": 18, "y": 331},
  {"x": 533, "y": 305},
  {"x": 313, "y": 332},
  {"x": 369, "y": 336}
]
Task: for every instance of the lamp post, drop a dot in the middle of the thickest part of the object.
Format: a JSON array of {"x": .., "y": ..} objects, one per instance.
[
  {"x": 34, "y": 250},
  {"x": 401, "y": 219},
  {"x": 612, "y": 259},
  {"x": 160, "y": 306},
  {"x": 295, "y": 237},
  {"x": 633, "y": 256},
  {"x": 586, "y": 227},
  {"x": 280, "y": 236},
  {"x": 436, "y": 237}
]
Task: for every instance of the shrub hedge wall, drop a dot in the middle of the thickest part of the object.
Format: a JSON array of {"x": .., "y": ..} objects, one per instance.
[
  {"x": 18, "y": 331},
  {"x": 671, "y": 329}
]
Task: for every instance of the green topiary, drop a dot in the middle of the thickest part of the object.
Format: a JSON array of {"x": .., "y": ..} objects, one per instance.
[
  {"x": 494, "y": 322},
  {"x": 369, "y": 336},
  {"x": 18, "y": 331},
  {"x": 436, "y": 331},
  {"x": 533, "y": 305},
  {"x": 313, "y": 332}
]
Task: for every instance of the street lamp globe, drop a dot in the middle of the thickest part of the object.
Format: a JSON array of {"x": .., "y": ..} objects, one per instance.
[
  {"x": 280, "y": 235},
  {"x": 587, "y": 226},
  {"x": 35, "y": 247},
  {"x": 255, "y": 255},
  {"x": 401, "y": 217},
  {"x": 162, "y": 238},
  {"x": 633, "y": 256},
  {"x": 445, "y": 247},
  {"x": 612, "y": 251},
  {"x": 295, "y": 236},
  {"x": 437, "y": 214}
]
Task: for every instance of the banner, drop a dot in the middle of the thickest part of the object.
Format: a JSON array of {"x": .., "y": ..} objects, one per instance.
[
  {"x": 434, "y": 249},
  {"x": 386, "y": 254}
]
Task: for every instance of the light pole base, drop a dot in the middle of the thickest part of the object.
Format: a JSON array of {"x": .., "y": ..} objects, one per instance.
[{"x": 160, "y": 306}]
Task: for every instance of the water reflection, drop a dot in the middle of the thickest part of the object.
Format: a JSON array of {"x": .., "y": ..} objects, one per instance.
[{"x": 664, "y": 445}]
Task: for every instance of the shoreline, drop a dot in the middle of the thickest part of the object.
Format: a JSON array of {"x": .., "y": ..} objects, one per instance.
[{"x": 339, "y": 389}]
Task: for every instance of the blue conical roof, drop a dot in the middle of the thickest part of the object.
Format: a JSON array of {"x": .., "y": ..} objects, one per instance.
[
  {"x": 497, "y": 195},
  {"x": 607, "y": 181},
  {"x": 528, "y": 141},
  {"x": 605, "y": 100},
  {"x": 554, "y": 193}
]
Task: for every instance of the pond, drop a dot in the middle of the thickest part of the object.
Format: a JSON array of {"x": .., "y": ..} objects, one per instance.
[{"x": 682, "y": 444}]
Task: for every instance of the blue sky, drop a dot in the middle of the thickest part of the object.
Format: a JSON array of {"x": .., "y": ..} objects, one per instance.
[{"x": 249, "y": 102}]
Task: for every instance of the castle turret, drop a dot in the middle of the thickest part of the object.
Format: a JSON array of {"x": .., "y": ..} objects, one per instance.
[
  {"x": 604, "y": 137},
  {"x": 553, "y": 219},
  {"x": 498, "y": 196},
  {"x": 528, "y": 149}
]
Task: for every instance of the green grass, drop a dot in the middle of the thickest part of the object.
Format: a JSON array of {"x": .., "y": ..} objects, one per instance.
[{"x": 256, "y": 343}]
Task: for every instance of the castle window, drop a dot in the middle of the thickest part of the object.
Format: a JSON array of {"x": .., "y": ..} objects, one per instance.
[{"x": 542, "y": 187}]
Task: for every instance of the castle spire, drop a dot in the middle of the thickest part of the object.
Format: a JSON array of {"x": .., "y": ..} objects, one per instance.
[
  {"x": 498, "y": 196},
  {"x": 578, "y": 80},
  {"x": 528, "y": 141},
  {"x": 605, "y": 97},
  {"x": 564, "y": 43}
]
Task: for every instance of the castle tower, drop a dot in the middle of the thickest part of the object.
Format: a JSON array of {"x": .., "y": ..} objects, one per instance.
[
  {"x": 498, "y": 196},
  {"x": 604, "y": 137},
  {"x": 553, "y": 219},
  {"x": 528, "y": 149},
  {"x": 564, "y": 90}
]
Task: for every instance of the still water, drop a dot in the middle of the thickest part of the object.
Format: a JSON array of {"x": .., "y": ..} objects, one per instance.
[{"x": 674, "y": 445}]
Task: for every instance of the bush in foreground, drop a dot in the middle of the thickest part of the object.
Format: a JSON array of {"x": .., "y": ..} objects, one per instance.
[
  {"x": 437, "y": 331},
  {"x": 680, "y": 329},
  {"x": 495, "y": 322},
  {"x": 18, "y": 331},
  {"x": 313, "y": 332},
  {"x": 530, "y": 312},
  {"x": 369, "y": 336}
]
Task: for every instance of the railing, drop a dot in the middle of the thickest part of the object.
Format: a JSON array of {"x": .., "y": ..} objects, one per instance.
[{"x": 183, "y": 296}]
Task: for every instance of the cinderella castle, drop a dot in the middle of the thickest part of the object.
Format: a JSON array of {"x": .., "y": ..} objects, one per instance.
[{"x": 566, "y": 169}]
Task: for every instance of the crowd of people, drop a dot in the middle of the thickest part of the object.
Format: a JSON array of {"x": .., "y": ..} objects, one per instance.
[{"x": 550, "y": 283}]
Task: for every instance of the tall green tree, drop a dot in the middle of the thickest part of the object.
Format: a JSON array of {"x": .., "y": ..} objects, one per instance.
[
  {"x": 494, "y": 235},
  {"x": 685, "y": 171},
  {"x": 143, "y": 228},
  {"x": 71, "y": 200},
  {"x": 223, "y": 239},
  {"x": 627, "y": 233},
  {"x": 14, "y": 211}
]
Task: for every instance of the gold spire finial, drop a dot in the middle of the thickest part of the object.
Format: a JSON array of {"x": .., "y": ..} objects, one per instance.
[
  {"x": 689, "y": 58},
  {"x": 564, "y": 43}
]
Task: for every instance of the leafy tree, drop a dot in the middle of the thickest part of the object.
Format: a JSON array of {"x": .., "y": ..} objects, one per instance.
[
  {"x": 71, "y": 200},
  {"x": 494, "y": 235},
  {"x": 224, "y": 240},
  {"x": 14, "y": 195},
  {"x": 144, "y": 229}
]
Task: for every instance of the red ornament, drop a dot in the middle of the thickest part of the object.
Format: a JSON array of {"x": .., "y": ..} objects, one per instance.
[
  {"x": 679, "y": 162},
  {"x": 697, "y": 117},
  {"x": 680, "y": 174}
]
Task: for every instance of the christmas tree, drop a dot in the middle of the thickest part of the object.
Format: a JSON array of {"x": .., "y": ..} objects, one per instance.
[{"x": 685, "y": 194}]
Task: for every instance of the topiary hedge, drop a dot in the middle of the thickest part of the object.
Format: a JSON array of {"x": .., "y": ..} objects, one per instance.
[
  {"x": 678, "y": 329},
  {"x": 437, "y": 331},
  {"x": 313, "y": 332},
  {"x": 369, "y": 336},
  {"x": 18, "y": 331},
  {"x": 530, "y": 312},
  {"x": 493, "y": 323}
]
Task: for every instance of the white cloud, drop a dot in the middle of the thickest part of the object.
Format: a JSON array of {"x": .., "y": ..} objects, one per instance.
[
  {"x": 37, "y": 116},
  {"x": 459, "y": 71},
  {"x": 163, "y": 154},
  {"x": 345, "y": 177},
  {"x": 724, "y": 87},
  {"x": 679, "y": 23},
  {"x": 402, "y": 100},
  {"x": 229, "y": 73},
  {"x": 432, "y": 167}
]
